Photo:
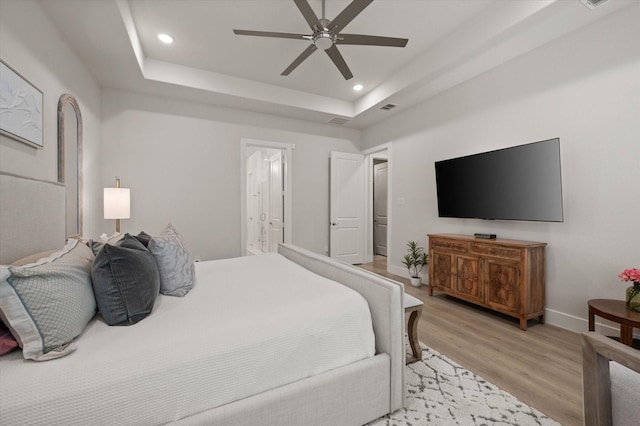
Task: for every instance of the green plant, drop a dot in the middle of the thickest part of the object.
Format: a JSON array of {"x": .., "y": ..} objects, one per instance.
[{"x": 415, "y": 259}]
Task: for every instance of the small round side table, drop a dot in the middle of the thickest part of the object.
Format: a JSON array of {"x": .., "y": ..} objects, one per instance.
[{"x": 616, "y": 311}]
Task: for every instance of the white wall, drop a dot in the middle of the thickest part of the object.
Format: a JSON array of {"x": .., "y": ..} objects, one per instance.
[
  {"x": 584, "y": 89},
  {"x": 36, "y": 49},
  {"x": 182, "y": 163}
]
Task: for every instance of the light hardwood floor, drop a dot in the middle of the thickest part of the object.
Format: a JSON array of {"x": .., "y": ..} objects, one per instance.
[{"x": 542, "y": 366}]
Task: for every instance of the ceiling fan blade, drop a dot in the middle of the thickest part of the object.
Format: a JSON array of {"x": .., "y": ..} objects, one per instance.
[
  {"x": 347, "y": 15},
  {"x": 309, "y": 14},
  {"x": 270, "y": 34},
  {"x": 304, "y": 55},
  {"x": 338, "y": 60},
  {"x": 369, "y": 40}
]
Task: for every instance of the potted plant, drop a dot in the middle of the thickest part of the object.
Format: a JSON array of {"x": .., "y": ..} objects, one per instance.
[{"x": 415, "y": 260}]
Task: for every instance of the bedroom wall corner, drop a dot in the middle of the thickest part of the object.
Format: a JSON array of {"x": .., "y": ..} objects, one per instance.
[{"x": 38, "y": 51}]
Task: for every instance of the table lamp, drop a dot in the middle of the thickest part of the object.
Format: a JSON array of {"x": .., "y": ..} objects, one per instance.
[{"x": 117, "y": 203}]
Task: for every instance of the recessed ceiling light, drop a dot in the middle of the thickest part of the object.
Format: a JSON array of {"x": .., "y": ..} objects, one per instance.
[
  {"x": 165, "y": 38},
  {"x": 358, "y": 87}
]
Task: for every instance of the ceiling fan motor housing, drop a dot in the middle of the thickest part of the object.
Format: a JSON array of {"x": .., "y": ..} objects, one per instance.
[{"x": 324, "y": 39}]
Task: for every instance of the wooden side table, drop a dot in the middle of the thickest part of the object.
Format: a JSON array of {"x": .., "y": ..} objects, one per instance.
[
  {"x": 616, "y": 311},
  {"x": 413, "y": 311}
]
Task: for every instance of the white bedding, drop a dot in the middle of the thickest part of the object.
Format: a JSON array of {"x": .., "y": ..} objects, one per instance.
[{"x": 249, "y": 325}]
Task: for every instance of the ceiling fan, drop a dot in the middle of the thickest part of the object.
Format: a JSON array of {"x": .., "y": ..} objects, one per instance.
[{"x": 326, "y": 35}]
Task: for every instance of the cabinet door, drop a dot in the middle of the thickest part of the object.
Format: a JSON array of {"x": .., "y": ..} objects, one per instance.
[
  {"x": 467, "y": 278},
  {"x": 503, "y": 284},
  {"x": 442, "y": 270}
]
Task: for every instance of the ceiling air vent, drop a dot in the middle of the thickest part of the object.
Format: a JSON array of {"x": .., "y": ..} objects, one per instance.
[
  {"x": 388, "y": 107},
  {"x": 338, "y": 120},
  {"x": 592, "y": 4}
]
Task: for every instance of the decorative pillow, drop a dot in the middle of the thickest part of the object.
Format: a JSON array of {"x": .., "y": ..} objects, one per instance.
[
  {"x": 7, "y": 341},
  {"x": 33, "y": 258},
  {"x": 48, "y": 303},
  {"x": 96, "y": 245},
  {"x": 175, "y": 262},
  {"x": 125, "y": 281},
  {"x": 144, "y": 238}
]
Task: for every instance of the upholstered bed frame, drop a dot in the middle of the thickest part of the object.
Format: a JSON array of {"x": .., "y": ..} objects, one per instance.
[{"x": 32, "y": 220}]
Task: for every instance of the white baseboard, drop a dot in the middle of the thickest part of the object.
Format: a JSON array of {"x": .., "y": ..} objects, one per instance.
[
  {"x": 580, "y": 325},
  {"x": 402, "y": 271}
]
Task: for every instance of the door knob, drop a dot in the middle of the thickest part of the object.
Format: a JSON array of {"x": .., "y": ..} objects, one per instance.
[{"x": 333, "y": 224}]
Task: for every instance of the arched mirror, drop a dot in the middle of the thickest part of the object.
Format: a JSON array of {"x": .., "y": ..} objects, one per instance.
[{"x": 70, "y": 160}]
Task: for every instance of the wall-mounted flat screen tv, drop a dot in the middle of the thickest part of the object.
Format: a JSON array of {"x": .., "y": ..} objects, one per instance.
[{"x": 518, "y": 183}]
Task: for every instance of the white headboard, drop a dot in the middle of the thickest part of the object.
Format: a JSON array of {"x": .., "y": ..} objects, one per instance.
[{"x": 32, "y": 216}]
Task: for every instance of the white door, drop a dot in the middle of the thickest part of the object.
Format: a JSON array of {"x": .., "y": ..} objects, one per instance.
[
  {"x": 346, "y": 236},
  {"x": 380, "y": 208},
  {"x": 276, "y": 202}
]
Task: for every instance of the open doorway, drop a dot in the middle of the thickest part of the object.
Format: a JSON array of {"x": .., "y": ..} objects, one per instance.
[
  {"x": 378, "y": 228},
  {"x": 380, "y": 216},
  {"x": 266, "y": 201}
]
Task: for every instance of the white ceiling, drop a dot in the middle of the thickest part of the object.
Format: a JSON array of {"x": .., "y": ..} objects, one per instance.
[{"x": 450, "y": 41}]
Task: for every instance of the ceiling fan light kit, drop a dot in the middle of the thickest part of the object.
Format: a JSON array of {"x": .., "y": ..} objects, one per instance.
[
  {"x": 324, "y": 40},
  {"x": 326, "y": 35}
]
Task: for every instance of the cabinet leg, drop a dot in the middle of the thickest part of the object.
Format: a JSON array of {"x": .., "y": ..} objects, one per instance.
[
  {"x": 523, "y": 324},
  {"x": 541, "y": 319},
  {"x": 430, "y": 291}
]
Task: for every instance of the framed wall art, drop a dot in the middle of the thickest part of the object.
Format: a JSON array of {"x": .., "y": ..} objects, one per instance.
[{"x": 20, "y": 108}]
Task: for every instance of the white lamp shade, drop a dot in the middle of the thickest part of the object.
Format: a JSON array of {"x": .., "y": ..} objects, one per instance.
[{"x": 117, "y": 203}]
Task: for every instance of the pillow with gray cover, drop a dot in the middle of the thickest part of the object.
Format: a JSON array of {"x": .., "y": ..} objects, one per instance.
[
  {"x": 175, "y": 262},
  {"x": 125, "y": 281}
]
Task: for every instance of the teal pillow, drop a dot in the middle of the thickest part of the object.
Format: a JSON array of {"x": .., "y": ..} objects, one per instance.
[
  {"x": 48, "y": 303},
  {"x": 126, "y": 282}
]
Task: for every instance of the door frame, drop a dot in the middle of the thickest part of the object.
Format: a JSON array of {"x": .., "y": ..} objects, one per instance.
[
  {"x": 288, "y": 198},
  {"x": 380, "y": 151}
]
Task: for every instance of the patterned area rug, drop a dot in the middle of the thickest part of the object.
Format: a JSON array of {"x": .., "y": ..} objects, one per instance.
[{"x": 442, "y": 393}]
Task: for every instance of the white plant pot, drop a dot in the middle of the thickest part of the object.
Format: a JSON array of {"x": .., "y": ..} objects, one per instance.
[{"x": 416, "y": 281}]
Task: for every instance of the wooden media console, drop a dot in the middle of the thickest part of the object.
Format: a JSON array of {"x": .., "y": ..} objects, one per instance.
[{"x": 504, "y": 275}]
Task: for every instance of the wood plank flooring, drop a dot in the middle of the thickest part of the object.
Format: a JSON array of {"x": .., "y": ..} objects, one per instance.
[{"x": 542, "y": 366}]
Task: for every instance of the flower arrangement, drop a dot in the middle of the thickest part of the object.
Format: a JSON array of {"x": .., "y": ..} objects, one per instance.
[
  {"x": 633, "y": 292},
  {"x": 630, "y": 275}
]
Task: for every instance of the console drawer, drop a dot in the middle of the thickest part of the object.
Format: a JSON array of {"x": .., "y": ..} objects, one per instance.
[{"x": 496, "y": 251}]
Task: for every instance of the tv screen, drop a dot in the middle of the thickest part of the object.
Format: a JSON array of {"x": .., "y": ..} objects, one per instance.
[{"x": 518, "y": 183}]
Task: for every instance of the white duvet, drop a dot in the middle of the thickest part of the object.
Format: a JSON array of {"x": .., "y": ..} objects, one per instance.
[{"x": 250, "y": 324}]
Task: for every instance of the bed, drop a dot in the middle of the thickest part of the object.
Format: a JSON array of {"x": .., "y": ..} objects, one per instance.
[{"x": 244, "y": 347}]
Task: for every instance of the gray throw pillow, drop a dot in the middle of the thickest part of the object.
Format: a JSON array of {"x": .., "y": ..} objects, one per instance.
[
  {"x": 144, "y": 238},
  {"x": 48, "y": 303},
  {"x": 175, "y": 262},
  {"x": 125, "y": 281}
]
